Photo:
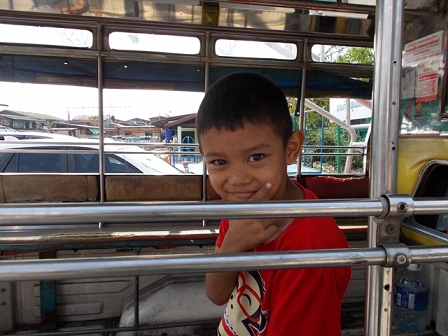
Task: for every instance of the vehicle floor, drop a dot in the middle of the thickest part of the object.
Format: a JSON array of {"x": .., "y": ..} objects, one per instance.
[
  {"x": 352, "y": 325},
  {"x": 353, "y": 322}
]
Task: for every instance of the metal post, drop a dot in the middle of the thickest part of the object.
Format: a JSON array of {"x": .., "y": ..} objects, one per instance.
[
  {"x": 301, "y": 102},
  {"x": 206, "y": 86},
  {"x": 388, "y": 46},
  {"x": 136, "y": 301},
  {"x": 143, "y": 265},
  {"x": 48, "y": 306},
  {"x": 101, "y": 116}
]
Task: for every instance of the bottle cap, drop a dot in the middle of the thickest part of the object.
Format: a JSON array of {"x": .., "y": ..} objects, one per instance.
[{"x": 414, "y": 267}]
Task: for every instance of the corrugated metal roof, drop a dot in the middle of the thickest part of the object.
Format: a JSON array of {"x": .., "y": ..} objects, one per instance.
[{"x": 17, "y": 117}]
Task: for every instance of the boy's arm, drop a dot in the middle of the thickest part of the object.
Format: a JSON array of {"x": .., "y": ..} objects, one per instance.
[
  {"x": 242, "y": 236},
  {"x": 219, "y": 286}
]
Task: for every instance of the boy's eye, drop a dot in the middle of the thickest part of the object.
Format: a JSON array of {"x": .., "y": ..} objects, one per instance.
[
  {"x": 219, "y": 162},
  {"x": 256, "y": 157}
]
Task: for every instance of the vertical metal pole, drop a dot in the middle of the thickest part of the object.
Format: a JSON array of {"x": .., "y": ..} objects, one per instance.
[
  {"x": 100, "y": 114},
  {"x": 206, "y": 86},
  {"x": 136, "y": 302},
  {"x": 48, "y": 306},
  {"x": 338, "y": 142},
  {"x": 301, "y": 103},
  {"x": 383, "y": 163},
  {"x": 303, "y": 87}
]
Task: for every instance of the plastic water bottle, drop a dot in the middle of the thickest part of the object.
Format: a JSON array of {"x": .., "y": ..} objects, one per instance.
[{"x": 410, "y": 311}]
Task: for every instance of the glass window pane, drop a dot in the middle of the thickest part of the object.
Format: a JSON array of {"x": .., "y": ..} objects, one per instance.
[
  {"x": 153, "y": 42},
  {"x": 39, "y": 163},
  {"x": 77, "y": 38},
  {"x": 342, "y": 54},
  {"x": 116, "y": 165},
  {"x": 256, "y": 49}
]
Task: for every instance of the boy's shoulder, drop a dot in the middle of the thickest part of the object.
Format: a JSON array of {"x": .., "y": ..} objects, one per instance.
[{"x": 307, "y": 194}]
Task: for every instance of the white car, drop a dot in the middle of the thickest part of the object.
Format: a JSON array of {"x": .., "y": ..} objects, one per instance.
[
  {"x": 198, "y": 168},
  {"x": 36, "y": 152}
]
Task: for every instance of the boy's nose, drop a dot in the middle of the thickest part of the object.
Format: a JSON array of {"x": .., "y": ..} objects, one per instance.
[{"x": 239, "y": 177}]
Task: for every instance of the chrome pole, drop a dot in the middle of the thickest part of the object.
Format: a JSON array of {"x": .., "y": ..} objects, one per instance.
[
  {"x": 82, "y": 213},
  {"x": 58, "y": 269},
  {"x": 26, "y": 214},
  {"x": 383, "y": 167}
]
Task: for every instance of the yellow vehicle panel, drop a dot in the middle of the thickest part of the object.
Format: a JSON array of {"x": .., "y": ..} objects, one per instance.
[{"x": 414, "y": 152}]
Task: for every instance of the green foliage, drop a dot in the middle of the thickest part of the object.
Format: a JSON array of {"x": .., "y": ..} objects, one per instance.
[
  {"x": 292, "y": 104},
  {"x": 352, "y": 55},
  {"x": 320, "y": 132}
]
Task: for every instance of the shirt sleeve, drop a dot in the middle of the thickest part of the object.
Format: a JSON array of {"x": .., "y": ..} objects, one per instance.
[{"x": 223, "y": 227}]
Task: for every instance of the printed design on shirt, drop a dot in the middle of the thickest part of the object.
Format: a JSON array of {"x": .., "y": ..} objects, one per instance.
[{"x": 243, "y": 315}]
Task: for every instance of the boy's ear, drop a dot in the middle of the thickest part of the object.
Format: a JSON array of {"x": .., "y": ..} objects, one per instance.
[
  {"x": 200, "y": 150},
  {"x": 294, "y": 146}
]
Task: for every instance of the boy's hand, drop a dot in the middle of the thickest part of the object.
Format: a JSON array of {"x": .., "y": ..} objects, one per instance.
[{"x": 245, "y": 234}]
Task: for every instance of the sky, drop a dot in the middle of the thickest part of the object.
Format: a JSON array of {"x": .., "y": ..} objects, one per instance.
[{"x": 65, "y": 101}]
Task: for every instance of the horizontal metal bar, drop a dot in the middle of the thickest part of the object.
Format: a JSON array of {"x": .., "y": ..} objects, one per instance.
[
  {"x": 428, "y": 254},
  {"x": 87, "y": 141},
  {"x": 361, "y": 147},
  {"x": 96, "y": 151},
  {"x": 439, "y": 237},
  {"x": 431, "y": 206},
  {"x": 331, "y": 154},
  {"x": 79, "y": 213},
  {"x": 58, "y": 269},
  {"x": 117, "y": 330}
]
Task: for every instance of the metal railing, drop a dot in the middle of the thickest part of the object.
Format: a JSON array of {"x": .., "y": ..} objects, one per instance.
[{"x": 394, "y": 255}]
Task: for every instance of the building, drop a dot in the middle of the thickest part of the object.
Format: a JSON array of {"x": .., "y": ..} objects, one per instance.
[
  {"x": 180, "y": 129},
  {"x": 22, "y": 121}
]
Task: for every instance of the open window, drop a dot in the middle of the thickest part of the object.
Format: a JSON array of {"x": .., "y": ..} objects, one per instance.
[{"x": 433, "y": 183}]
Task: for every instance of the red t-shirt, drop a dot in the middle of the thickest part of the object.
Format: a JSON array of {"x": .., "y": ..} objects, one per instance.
[{"x": 299, "y": 302}]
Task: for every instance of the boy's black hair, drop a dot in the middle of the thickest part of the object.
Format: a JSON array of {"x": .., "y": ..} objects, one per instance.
[{"x": 241, "y": 98}]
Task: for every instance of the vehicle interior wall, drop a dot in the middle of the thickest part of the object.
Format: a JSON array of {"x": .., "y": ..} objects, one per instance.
[{"x": 47, "y": 188}]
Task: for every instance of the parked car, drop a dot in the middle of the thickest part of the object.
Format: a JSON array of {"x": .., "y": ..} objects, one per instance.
[
  {"x": 7, "y": 129},
  {"x": 198, "y": 168},
  {"x": 12, "y": 135},
  {"x": 56, "y": 153}
]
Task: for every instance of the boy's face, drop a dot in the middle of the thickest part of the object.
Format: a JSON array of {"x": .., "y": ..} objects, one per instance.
[{"x": 239, "y": 163}]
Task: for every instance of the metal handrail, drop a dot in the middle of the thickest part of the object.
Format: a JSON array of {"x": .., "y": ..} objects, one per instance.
[
  {"x": 58, "y": 269},
  {"x": 78, "y": 213},
  {"x": 144, "y": 212}
]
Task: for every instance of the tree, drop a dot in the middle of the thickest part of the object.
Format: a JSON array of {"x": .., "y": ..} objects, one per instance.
[
  {"x": 324, "y": 132},
  {"x": 351, "y": 55}
]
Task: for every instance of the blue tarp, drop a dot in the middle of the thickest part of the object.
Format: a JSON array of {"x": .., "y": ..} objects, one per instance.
[{"x": 167, "y": 76}]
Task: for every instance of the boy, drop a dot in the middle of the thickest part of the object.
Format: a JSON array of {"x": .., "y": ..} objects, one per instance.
[{"x": 245, "y": 135}]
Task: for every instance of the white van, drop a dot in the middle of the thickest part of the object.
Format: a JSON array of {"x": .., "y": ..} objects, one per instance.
[{"x": 36, "y": 152}]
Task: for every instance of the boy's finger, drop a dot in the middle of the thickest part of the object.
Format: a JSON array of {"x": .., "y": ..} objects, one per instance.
[
  {"x": 271, "y": 230},
  {"x": 261, "y": 194}
]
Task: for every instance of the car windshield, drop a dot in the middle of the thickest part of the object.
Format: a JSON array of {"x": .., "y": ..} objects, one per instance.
[
  {"x": 147, "y": 162},
  {"x": 153, "y": 163},
  {"x": 85, "y": 159},
  {"x": 198, "y": 168}
]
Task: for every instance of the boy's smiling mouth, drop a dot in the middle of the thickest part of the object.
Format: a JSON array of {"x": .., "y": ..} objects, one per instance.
[{"x": 242, "y": 195}]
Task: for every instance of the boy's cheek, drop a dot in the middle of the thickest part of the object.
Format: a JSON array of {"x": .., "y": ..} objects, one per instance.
[{"x": 214, "y": 182}]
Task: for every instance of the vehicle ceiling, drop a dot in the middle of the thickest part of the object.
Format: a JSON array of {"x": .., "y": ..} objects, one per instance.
[{"x": 347, "y": 20}]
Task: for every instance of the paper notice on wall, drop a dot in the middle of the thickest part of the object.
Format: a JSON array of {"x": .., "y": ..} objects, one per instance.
[
  {"x": 408, "y": 79},
  {"x": 427, "y": 81},
  {"x": 426, "y": 54},
  {"x": 424, "y": 49}
]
